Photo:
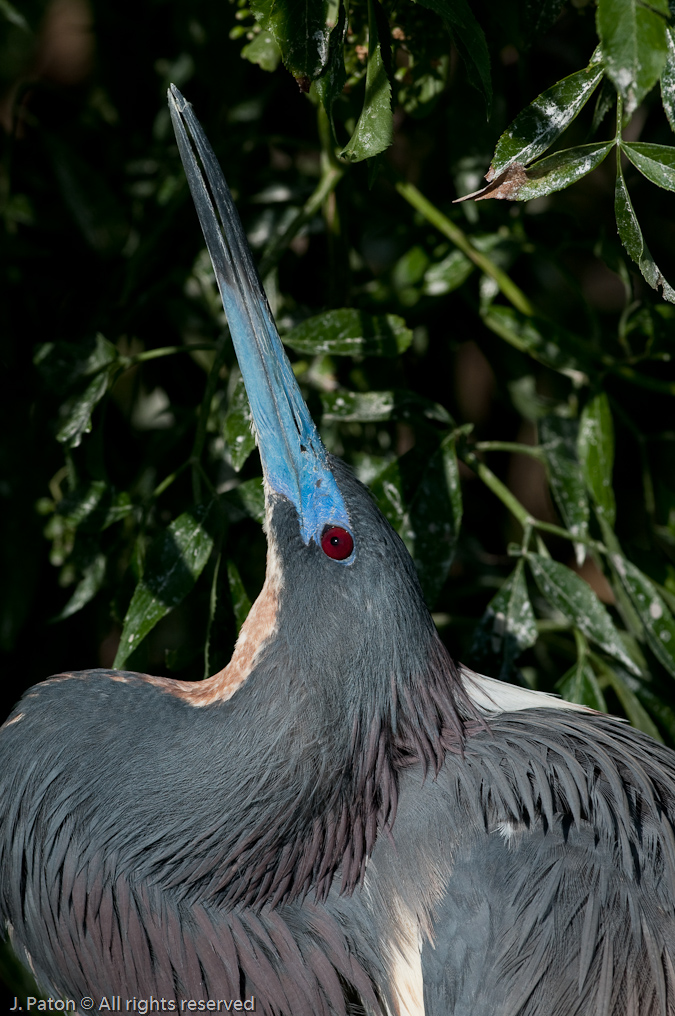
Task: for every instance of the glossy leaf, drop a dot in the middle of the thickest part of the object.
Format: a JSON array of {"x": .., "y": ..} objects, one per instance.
[
  {"x": 375, "y": 127},
  {"x": 237, "y": 425},
  {"x": 263, "y": 50},
  {"x": 371, "y": 407},
  {"x": 657, "y": 620},
  {"x": 621, "y": 683},
  {"x": 300, "y": 30},
  {"x": 469, "y": 39},
  {"x": 86, "y": 589},
  {"x": 580, "y": 685},
  {"x": 576, "y": 600},
  {"x": 241, "y": 603},
  {"x": 424, "y": 505},
  {"x": 595, "y": 448},
  {"x": 350, "y": 332},
  {"x": 330, "y": 84},
  {"x": 551, "y": 174},
  {"x": 449, "y": 274},
  {"x": 540, "y": 339},
  {"x": 656, "y": 162},
  {"x": 10, "y": 13},
  {"x": 246, "y": 501},
  {"x": 539, "y": 124},
  {"x": 78, "y": 411},
  {"x": 508, "y": 626},
  {"x": 94, "y": 506},
  {"x": 668, "y": 78},
  {"x": 62, "y": 363},
  {"x": 631, "y": 237},
  {"x": 435, "y": 517},
  {"x": 174, "y": 562},
  {"x": 558, "y": 439},
  {"x": 633, "y": 41}
]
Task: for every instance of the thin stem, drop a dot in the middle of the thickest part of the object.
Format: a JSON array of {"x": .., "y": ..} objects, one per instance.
[
  {"x": 330, "y": 178},
  {"x": 498, "y": 488},
  {"x": 535, "y": 451},
  {"x": 155, "y": 354},
  {"x": 203, "y": 419},
  {"x": 519, "y": 512},
  {"x": 448, "y": 228}
]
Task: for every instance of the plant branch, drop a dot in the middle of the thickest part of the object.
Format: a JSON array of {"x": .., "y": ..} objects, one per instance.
[{"x": 457, "y": 236}]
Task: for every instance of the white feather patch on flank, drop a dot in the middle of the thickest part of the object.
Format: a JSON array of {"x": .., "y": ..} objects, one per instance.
[
  {"x": 492, "y": 696},
  {"x": 407, "y": 984}
]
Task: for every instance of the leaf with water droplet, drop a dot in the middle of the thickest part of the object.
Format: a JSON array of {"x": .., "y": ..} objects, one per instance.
[
  {"x": 237, "y": 424},
  {"x": 595, "y": 448},
  {"x": 508, "y": 626},
  {"x": 633, "y": 40},
  {"x": 538, "y": 125},
  {"x": 174, "y": 562},
  {"x": 350, "y": 332},
  {"x": 375, "y": 127},
  {"x": 632, "y": 239},
  {"x": 657, "y": 620},
  {"x": 576, "y": 600},
  {"x": 580, "y": 685},
  {"x": 558, "y": 439}
]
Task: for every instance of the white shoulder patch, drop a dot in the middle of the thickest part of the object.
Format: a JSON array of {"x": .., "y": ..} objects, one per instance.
[{"x": 492, "y": 696}]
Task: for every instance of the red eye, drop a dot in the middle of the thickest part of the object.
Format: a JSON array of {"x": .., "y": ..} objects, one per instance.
[{"x": 337, "y": 543}]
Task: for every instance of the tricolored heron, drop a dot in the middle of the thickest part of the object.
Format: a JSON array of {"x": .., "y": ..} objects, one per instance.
[{"x": 342, "y": 820}]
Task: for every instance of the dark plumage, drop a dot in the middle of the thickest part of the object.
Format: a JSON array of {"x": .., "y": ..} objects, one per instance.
[{"x": 343, "y": 820}]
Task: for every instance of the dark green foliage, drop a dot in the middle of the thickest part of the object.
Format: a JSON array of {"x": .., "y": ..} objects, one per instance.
[{"x": 499, "y": 372}]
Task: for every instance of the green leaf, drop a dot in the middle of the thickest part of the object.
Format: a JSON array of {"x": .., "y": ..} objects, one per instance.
[
  {"x": 631, "y": 238},
  {"x": 62, "y": 363},
  {"x": 241, "y": 603},
  {"x": 263, "y": 50},
  {"x": 551, "y": 174},
  {"x": 469, "y": 39},
  {"x": 657, "y": 620},
  {"x": 540, "y": 339},
  {"x": 10, "y": 13},
  {"x": 174, "y": 562},
  {"x": 633, "y": 708},
  {"x": 94, "y": 506},
  {"x": 508, "y": 626},
  {"x": 576, "y": 600},
  {"x": 656, "y": 162},
  {"x": 375, "y": 127},
  {"x": 78, "y": 411},
  {"x": 558, "y": 439},
  {"x": 330, "y": 84},
  {"x": 86, "y": 589},
  {"x": 434, "y": 520},
  {"x": 449, "y": 274},
  {"x": 300, "y": 30},
  {"x": 539, "y": 124},
  {"x": 668, "y": 78},
  {"x": 372, "y": 407},
  {"x": 633, "y": 41},
  {"x": 421, "y": 498},
  {"x": 237, "y": 425},
  {"x": 580, "y": 685},
  {"x": 246, "y": 501},
  {"x": 350, "y": 332},
  {"x": 595, "y": 448}
]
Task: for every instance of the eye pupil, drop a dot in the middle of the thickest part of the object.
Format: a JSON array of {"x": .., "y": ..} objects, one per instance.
[{"x": 337, "y": 543}]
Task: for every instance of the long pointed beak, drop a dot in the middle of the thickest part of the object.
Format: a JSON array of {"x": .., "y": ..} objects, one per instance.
[{"x": 293, "y": 457}]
